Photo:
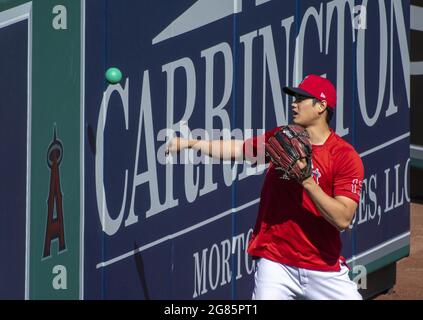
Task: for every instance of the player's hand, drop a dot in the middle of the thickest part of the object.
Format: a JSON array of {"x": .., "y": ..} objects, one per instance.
[
  {"x": 176, "y": 145},
  {"x": 302, "y": 163}
]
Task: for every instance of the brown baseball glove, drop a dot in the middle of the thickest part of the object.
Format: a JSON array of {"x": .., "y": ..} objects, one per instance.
[{"x": 286, "y": 147}]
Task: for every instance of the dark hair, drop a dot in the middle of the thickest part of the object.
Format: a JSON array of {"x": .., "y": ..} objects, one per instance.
[{"x": 329, "y": 111}]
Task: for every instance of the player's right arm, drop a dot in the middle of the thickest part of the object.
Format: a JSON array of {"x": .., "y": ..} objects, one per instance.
[
  {"x": 219, "y": 149},
  {"x": 252, "y": 149}
]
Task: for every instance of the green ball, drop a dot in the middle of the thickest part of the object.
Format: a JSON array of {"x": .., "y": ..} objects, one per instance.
[{"x": 113, "y": 75}]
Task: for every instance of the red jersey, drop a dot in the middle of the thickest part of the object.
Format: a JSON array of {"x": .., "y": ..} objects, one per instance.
[{"x": 289, "y": 228}]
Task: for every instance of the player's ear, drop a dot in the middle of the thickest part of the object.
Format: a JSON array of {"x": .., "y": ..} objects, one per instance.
[{"x": 322, "y": 106}]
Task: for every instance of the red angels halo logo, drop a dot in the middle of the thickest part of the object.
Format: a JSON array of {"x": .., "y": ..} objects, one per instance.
[{"x": 55, "y": 224}]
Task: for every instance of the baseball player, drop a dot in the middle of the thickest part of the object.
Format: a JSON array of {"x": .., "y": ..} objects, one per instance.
[{"x": 296, "y": 239}]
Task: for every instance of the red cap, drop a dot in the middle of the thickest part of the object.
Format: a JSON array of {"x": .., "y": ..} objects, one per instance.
[{"x": 314, "y": 86}]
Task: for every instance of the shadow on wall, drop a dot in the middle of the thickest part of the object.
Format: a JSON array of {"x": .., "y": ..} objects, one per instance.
[{"x": 139, "y": 264}]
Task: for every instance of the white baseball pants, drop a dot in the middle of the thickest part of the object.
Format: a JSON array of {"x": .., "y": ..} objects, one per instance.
[{"x": 276, "y": 281}]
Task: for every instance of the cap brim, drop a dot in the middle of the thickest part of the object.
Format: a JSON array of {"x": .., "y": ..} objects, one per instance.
[{"x": 292, "y": 91}]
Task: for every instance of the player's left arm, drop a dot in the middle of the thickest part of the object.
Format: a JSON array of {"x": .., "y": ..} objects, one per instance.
[{"x": 338, "y": 210}]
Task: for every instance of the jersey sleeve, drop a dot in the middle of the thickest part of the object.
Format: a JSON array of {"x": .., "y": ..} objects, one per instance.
[
  {"x": 254, "y": 148},
  {"x": 349, "y": 174}
]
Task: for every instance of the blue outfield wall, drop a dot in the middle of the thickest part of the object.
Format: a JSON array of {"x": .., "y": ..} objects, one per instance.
[
  {"x": 13, "y": 120},
  {"x": 157, "y": 231}
]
